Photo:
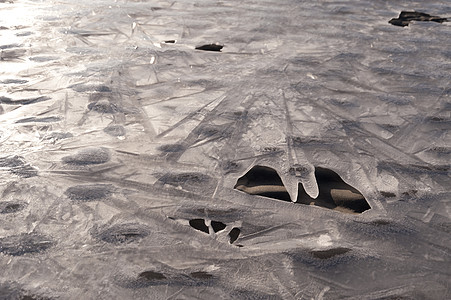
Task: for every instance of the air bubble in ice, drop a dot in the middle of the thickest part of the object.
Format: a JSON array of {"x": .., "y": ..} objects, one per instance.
[
  {"x": 88, "y": 156},
  {"x": 17, "y": 245},
  {"x": 124, "y": 233},
  {"x": 9, "y": 207},
  {"x": 89, "y": 192},
  {"x": 115, "y": 130},
  {"x": 329, "y": 253}
]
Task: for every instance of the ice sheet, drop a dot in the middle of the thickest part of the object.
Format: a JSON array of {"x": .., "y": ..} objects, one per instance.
[{"x": 121, "y": 145}]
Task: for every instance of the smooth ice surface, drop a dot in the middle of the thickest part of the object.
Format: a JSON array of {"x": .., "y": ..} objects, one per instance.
[{"x": 121, "y": 145}]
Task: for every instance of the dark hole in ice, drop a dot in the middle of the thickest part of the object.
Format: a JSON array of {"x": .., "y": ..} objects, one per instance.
[
  {"x": 6, "y": 100},
  {"x": 388, "y": 194},
  {"x": 218, "y": 226},
  {"x": 124, "y": 233},
  {"x": 39, "y": 120},
  {"x": 115, "y": 130},
  {"x": 151, "y": 275},
  {"x": 172, "y": 148},
  {"x": 334, "y": 193},
  {"x": 103, "y": 106},
  {"x": 210, "y": 47},
  {"x": 89, "y": 192},
  {"x": 326, "y": 254},
  {"x": 234, "y": 234},
  {"x": 17, "y": 245},
  {"x": 11, "y": 207},
  {"x": 263, "y": 181},
  {"x": 405, "y": 17},
  {"x": 199, "y": 224},
  {"x": 201, "y": 275},
  {"x": 170, "y": 42},
  {"x": 90, "y": 156}
]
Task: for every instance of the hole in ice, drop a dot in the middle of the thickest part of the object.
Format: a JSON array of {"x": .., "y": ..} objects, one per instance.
[
  {"x": 17, "y": 245},
  {"x": 405, "y": 17},
  {"x": 210, "y": 47},
  {"x": 172, "y": 148},
  {"x": 11, "y": 207},
  {"x": 326, "y": 254},
  {"x": 151, "y": 275},
  {"x": 218, "y": 226},
  {"x": 199, "y": 224},
  {"x": 233, "y": 234},
  {"x": 103, "y": 106},
  {"x": 90, "y": 156},
  {"x": 263, "y": 181},
  {"x": 124, "y": 233},
  {"x": 89, "y": 192},
  {"x": 201, "y": 275},
  {"x": 334, "y": 193},
  {"x": 170, "y": 42},
  {"x": 115, "y": 130}
]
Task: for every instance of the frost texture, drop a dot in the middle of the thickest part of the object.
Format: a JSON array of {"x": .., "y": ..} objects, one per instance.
[{"x": 124, "y": 149}]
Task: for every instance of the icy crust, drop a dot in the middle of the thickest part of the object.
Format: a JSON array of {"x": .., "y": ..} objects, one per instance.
[{"x": 128, "y": 130}]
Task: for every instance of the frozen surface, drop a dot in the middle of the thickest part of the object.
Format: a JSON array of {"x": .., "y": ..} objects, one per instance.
[{"x": 122, "y": 144}]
